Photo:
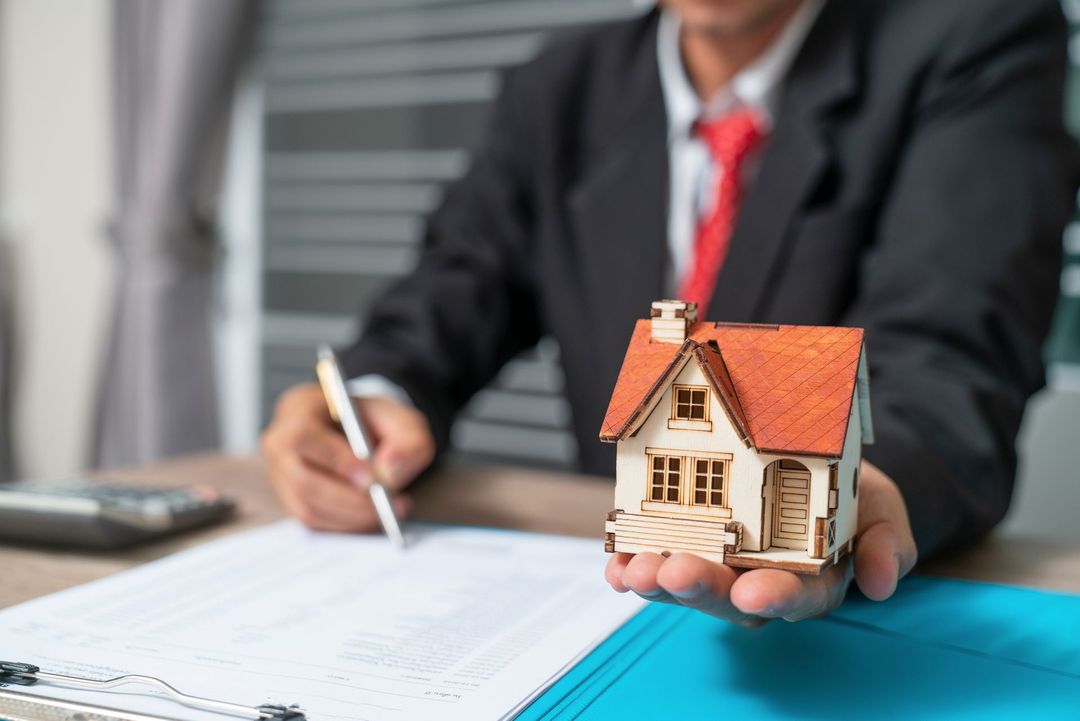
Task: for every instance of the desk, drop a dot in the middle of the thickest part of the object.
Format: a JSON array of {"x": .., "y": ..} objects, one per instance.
[{"x": 481, "y": 495}]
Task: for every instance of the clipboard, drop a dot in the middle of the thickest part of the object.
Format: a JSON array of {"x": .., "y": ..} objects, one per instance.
[{"x": 18, "y": 705}]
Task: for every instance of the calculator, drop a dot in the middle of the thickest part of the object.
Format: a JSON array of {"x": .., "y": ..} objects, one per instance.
[{"x": 103, "y": 515}]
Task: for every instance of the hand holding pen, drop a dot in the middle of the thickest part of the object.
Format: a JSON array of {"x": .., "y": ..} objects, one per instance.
[{"x": 315, "y": 473}]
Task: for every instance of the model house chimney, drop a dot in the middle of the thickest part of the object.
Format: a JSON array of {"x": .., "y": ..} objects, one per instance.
[{"x": 671, "y": 319}]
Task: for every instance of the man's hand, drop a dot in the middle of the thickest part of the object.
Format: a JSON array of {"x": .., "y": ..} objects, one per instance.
[
  {"x": 884, "y": 553},
  {"x": 315, "y": 473}
]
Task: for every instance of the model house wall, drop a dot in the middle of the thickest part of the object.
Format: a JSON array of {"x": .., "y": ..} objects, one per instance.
[{"x": 747, "y": 470}]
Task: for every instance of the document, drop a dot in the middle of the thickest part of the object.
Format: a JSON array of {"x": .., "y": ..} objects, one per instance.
[{"x": 466, "y": 624}]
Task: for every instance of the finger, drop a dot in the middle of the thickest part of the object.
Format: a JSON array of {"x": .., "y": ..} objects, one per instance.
[
  {"x": 701, "y": 584},
  {"x": 774, "y": 593},
  {"x": 886, "y": 549},
  {"x": 613, "y": 571},
  {"x": 880, "y": 561},
  {"x": 336, "y": 519},
  {"x": 324, "y": 502},
  {"x": 401, "y": 460},
  {"x": 640, "y": 577},
  {"x": 345, "y": 509},
  {"x": 329, "y": 450},
  {"x": 404, "y": 443}
]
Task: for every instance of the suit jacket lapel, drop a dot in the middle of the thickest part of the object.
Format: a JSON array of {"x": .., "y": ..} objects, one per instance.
[
  {"x": 794, "y": 162},
  {"x": 618, "y": 206}
]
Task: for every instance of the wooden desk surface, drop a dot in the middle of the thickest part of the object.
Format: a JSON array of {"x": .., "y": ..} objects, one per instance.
[{"x": 480, "y": 495}]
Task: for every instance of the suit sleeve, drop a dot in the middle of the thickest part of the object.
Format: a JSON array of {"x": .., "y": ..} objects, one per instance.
[
  {"x": 958, "y": 289},
  {"x": 445, "y": 329}
]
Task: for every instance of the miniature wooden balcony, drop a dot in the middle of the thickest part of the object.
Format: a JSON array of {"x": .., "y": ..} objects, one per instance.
[{"x": 640, "y": 533}]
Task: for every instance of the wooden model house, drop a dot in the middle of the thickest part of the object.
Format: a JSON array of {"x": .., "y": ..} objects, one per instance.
[{"x": 740, "y": 443}]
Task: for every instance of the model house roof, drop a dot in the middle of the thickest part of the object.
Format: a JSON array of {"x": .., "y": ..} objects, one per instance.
[{"x": 786, "y": 388}]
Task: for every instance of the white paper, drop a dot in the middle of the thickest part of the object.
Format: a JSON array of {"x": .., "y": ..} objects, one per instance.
[{"x": 466, "y": 624}]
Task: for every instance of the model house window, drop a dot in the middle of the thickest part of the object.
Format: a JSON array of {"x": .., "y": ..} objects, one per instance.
[
  {"x": 691, "y": 403},
  {"x": 709, "y": 477},
  {"x": 664, "y": 485}
]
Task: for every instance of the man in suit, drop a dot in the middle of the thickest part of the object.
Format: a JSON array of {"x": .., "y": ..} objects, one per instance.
[{"x": 899, "y": 166}]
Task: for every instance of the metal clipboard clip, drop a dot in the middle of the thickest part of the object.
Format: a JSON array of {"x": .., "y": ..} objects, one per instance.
[{"x": 25, "y": 674}]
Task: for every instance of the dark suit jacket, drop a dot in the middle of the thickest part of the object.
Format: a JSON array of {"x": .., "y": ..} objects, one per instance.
[{"x": 916, "y": 184}]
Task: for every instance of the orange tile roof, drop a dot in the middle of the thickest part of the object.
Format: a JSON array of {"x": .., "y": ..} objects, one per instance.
[
  {"x": 712, "y": 363},
  {"x": 789, "y": 388}
]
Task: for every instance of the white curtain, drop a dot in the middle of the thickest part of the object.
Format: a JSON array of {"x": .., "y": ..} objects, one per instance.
[{"x": 176, "y": 62}]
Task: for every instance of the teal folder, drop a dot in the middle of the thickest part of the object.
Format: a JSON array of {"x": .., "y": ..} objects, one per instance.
[{"x": 940, "y": 649}]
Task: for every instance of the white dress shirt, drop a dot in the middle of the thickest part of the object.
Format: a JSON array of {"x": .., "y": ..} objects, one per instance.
[{"x": 694, "y": 176}]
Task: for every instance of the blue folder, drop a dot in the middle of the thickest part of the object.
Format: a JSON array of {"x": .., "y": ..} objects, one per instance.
[{"x": 939, "y": 649}]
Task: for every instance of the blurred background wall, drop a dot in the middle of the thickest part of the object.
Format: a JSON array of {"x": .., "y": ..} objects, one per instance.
[
  {"x": 1048, "y": 482},
  {"x": 55, "y": 198},
  {"x": 349, "y": 120}
]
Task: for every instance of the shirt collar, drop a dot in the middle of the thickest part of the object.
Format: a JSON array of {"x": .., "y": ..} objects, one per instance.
[{"x": 756, "y": 86}]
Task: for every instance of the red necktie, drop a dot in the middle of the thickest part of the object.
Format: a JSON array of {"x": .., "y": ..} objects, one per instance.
[{"x": 729, "y": 138}]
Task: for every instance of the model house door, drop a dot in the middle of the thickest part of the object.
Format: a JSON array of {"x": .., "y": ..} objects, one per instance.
[{"x": 792, "y": 521}]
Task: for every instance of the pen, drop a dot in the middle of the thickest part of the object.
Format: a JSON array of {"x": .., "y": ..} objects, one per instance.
[{"x": 343, "y": 411}]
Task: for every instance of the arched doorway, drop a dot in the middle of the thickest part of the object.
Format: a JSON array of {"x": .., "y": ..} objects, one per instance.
[{"x": 791, "y": 504}]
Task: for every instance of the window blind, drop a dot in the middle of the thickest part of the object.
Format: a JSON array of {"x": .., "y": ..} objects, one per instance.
[{"x": 370, "y": 108}]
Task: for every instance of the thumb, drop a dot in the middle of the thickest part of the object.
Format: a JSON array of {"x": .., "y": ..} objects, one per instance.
[
  {"x": 404, "y": 445},
  {"x": 886, "y": 549}
]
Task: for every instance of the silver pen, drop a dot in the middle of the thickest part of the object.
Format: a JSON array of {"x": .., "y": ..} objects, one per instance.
[{"x": 344, "y": 412}]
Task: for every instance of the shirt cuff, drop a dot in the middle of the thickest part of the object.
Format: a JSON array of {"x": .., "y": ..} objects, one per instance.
[{"x": 372, "y": 385}]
